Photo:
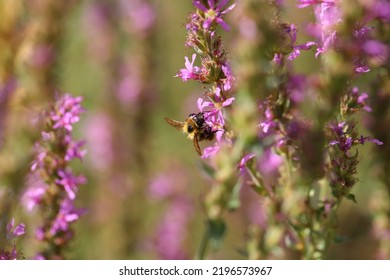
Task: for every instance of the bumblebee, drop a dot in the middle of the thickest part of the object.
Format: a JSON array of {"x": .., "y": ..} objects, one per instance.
[{"x": 195, "y": 127}]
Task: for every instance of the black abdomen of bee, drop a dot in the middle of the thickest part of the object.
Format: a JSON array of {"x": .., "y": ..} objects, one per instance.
[{"x": 207, "y": 133}]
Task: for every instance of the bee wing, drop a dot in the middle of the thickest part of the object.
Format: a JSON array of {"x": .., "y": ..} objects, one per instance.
[
  {"x": 196, "y": 145},
  {"x": 176, "y": 124}
]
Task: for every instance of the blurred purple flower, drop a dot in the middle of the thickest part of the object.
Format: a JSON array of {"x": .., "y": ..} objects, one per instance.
[
  {"x": 39, "y": 257},
  {"x": 66, "y": 215},
  {"x": 67, "y": 112},
  {"x": 98, "y": 30},
  {"x": 70, "y": 182},
  {"x": 173, "y": 230},
  {"x": 269, "y": 163},
  {"x": 210, "y": 152},
  {"x": 130, "y": 85},
  {"x": 257, "y": 214},
  {"x": 12, "y": 232},
  {"x": 243, "y": 161},
  {"x": 377, "y": 50},
  {"x": 34, "y": 192},
  {"x": 328, "y": 15},
  {"x": 74, "y": 149},
  {"x": 362, "y": 69},
  {"x": 162, "y": 186},
  {"x": 15, "y": 231},
  {"x": 248, "y": 28},
  {"x": 360, "y": 99},
  {"x": 292, "y": 32},
  {"x": 42, "y": 56},
  {"x": 139, "y": 15},
  {"x": 306, "y": 3},
  {"x": 40, "y": 234},
  {"x": 268, "y": 122},
  {"x": 296, "y": 87},
  {"x": 214, "y": 12},
  {"x": 99, "y": 133},
  {"x": 278, "y": 59},
  {"x": 380, "y": 9}
]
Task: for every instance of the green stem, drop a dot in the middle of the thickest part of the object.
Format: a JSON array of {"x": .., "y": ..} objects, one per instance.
[{"x": 204, "y": 244}]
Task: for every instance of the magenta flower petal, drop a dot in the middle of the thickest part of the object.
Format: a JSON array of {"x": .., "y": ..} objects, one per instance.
[
  {"x": 223, "y": 24},
  {"x": 210, "y": 152},
  {"x": 228, "y": 102},
  {"x": 199, "y": 5},
  {"x": 244, "y": 160},
  {"x": 19, "y": 230}
]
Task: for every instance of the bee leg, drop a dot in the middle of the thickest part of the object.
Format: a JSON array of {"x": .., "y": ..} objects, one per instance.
[{"x": 196, "y": 145}]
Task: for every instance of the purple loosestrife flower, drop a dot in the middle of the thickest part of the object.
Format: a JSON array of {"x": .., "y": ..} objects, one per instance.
[
  {"x": 228, "y": 80},
  {"x": 268, "y": 121},
  {"x": 306, "y": 3},
  {"x": 269, "y": 164},
  {"x": 213, "y": 113},
  {"x": 66, "y": 215},
  {"x": 278, "y": 59},
  {"x": 191, "y": 72},
  {"x": 380, "y": 9},
  {"x": 34, "y": 193},
  {"x": 213, "y": 13},
  {"x": 15, "y": 231},
  {"x": 354, "y": 101},
  {"x": 345, "y": 139},
  {"x": 291, "y": 30},
  {"x": 368, "y": 50},
  {"x": 342, "y": 166},
  {"x": 9, "y": 251},
  {"x": 361, "y": 99},
  {"x": 140, "y": 15},
  {"x": 67, "y": 112},
  {"x": 70, "y": 182},
  {"x": 328, "y": 16},
  {"x": 74, "y": 149},
  {"x": 211, "y": 151}
]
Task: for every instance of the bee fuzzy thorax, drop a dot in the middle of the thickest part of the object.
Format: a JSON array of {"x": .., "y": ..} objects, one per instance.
[{"x": 196, "y": 129}]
